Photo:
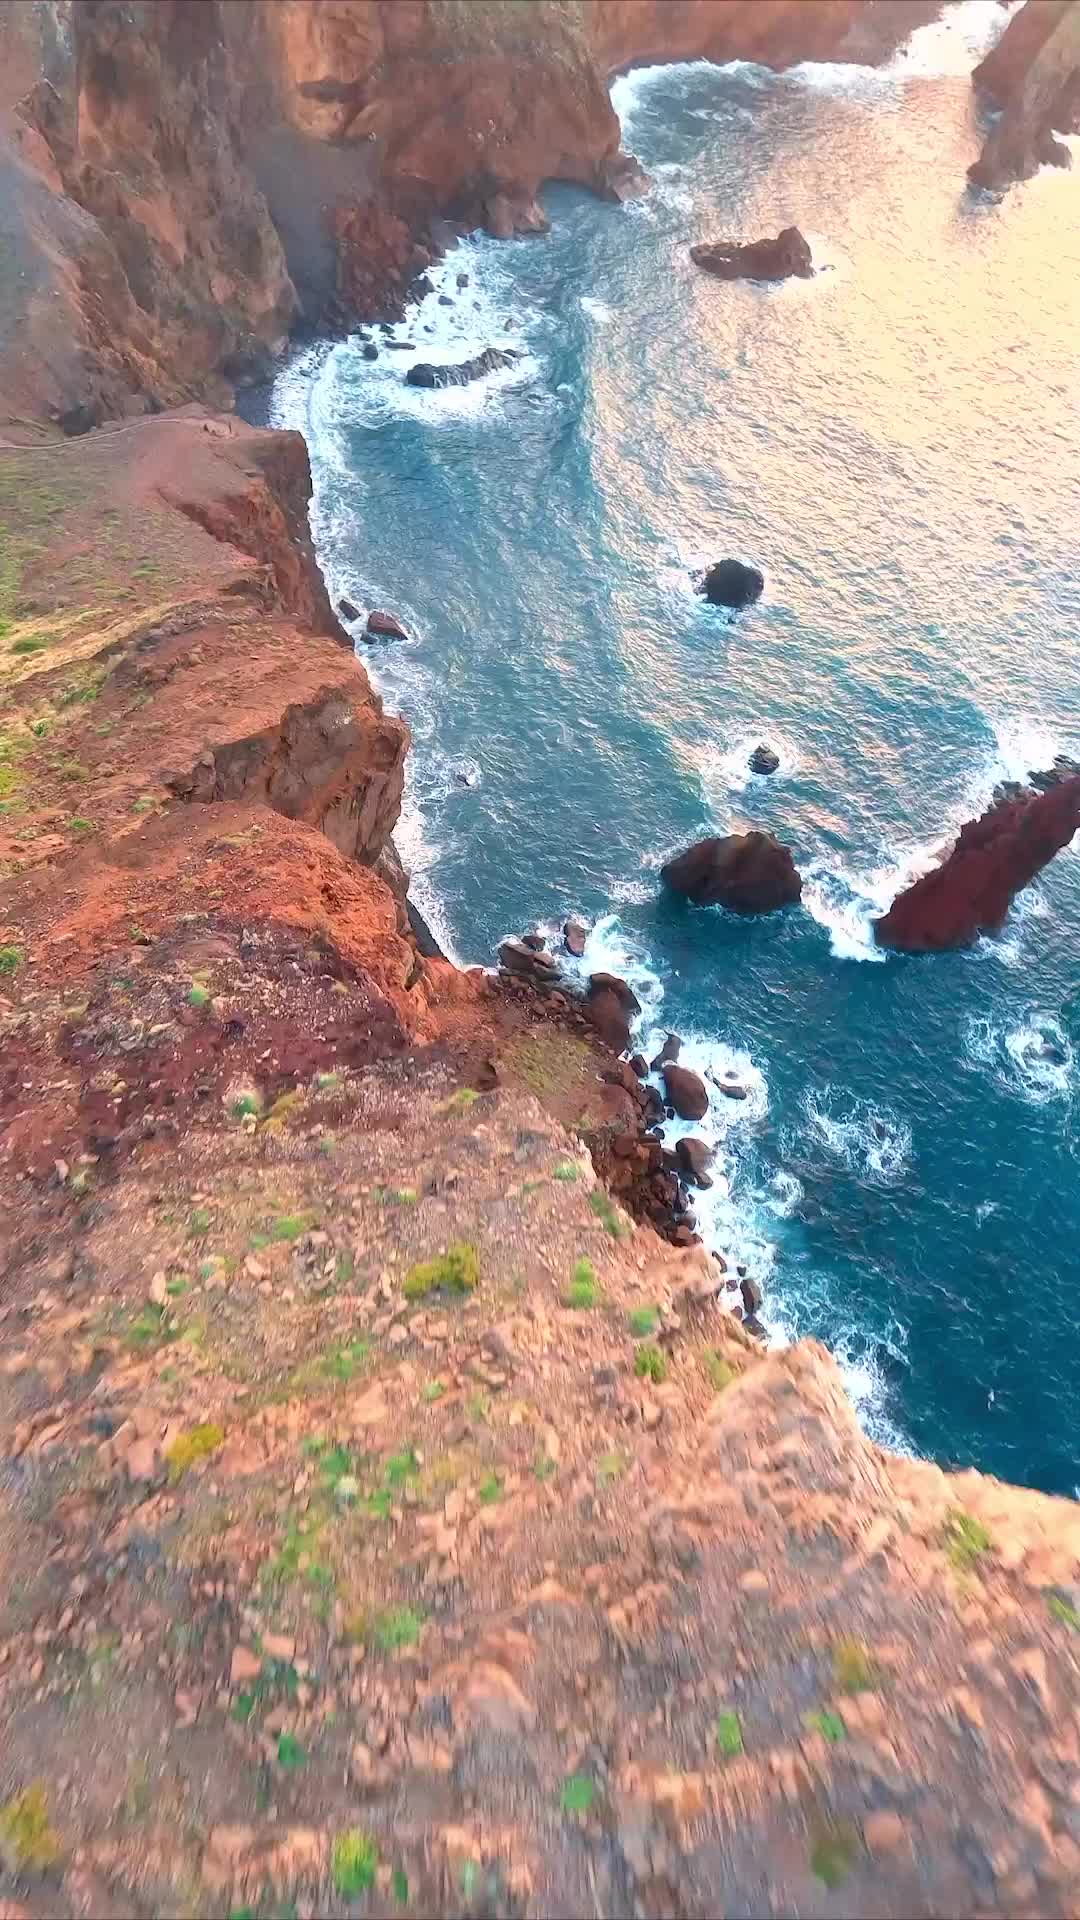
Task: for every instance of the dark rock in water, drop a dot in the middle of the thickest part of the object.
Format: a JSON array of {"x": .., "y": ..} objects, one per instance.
[
  {"x": 425, "y": 375},
  {"x": 785, "y": 258},
  {"x": 445, "y": 300},
  {"x": 687, "y": 1093},
  {"x": 574, "y": 936},
  {"x": 733, "y": 1089},
  {"x": 640, "y": 1065},
  {"x": 426, "y": 943},
  {"x": 994, "y": 857},
  {"x": 369, "y": 350},
  {"x": 401, "y": 346},
  {"x": 1052, "y": 776},
  {"x": 753, "y": 1325},
  {"x": 730, "y": 583},
  {"x": 751, "y": 1293},
  {"x": 608, "y": 1015},
  {"x": 668, "y": 1053},
  {"x": 534, "y": 940},
  {"x": 693, "y": 1156},
  {"x": 463, "y": 778},
  {"x": 748, "y": 872},
  {"x": 463, "y": 279},
  {"x": 517, "y": 958},
  {"x": 385, "y": 626},
  {"x": 611, "y": 983},
  {"x": 764, "y": 759},
  {"x": 347, "y": 610}
]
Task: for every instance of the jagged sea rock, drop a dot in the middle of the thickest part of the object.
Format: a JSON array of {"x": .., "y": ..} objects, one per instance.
[
  {"x": 612, "y": 983},
  {"x": 747, "y": 872},
  {"x": 764, "y": 759},
  {"x": 784, "y": 258},
  {"x": 425, "y": 374},
  {"x": 575, "y": 935},
  {"x": 384, "y": 626},
  {"x": 686, "y": 1092},
  {"x": 693, "y": 1156}
]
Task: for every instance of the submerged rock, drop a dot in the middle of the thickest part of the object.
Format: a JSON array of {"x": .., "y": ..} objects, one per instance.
[
  {"x": 347, "y": 610},
  {"x": 993, "y": 858},
  {"x": 747, "y": 872},
  {"x": 385, "y": 626},
  {"x": 423, "y": 374},
  {"x": 764, "y": 759},
  {"x": 686, "y": 1092},
  {"x": 369, "y": 350},
  {"x": 785, "y": 258},
  {"x": 731, "y": 583}
]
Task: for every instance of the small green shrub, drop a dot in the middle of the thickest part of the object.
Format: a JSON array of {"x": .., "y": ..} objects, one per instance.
[
  {"x": 28, "y": 1841},
  {"x": 10, "y": 960},
  {"x": 829, "y": 1725},
  {"x": 29, "y": 644},
  {"x": 246, "y": 1105},
  {"x": 79, "y": 824},
  {"x": 642, "y": 1321},
  {"x": 490, "y": 1490},
  {"x": 198, "y": 1443},
  {"x": 650, "y": 1364},
  {"x": 608, "y": 1213},
  {"x": 834, "y": 1852},
  {"x": 290, "y": 1226},
  {"x": 966, "y": 1540},
  {"x": 729, "y": 1740},
  {"x": 354, "y": 1862},
  {"x": 291, "y": 1755},
  {"x": 567, "y": 1170},
  {"x": 578, "y": 1793},
  {"x": 457, "y": 1270},
  {"x": 198, "y": 997},
  {"x": 584, "y": 1288},
  {"x": 397, "y": 1627},
  {"x": 853, "y": 1669},
  {"x": 462, "y": 1100}
]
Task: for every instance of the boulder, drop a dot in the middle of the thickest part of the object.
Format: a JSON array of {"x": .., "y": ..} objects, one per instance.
[
  {"x": 751, "y": 1294},
  {"x": 731, "y": 583},
  {"x": 993, "y": 858},
  {"x": 518, "y": 958},
  {"x": 609, "y": 1017},
  {"x": 384, "y": 626},
  {"x": 369, "y": 350},
  {"x": 611, "y": 983},
  {"x": 686, "y": 1092},
  {"x": 535, "y": 940},
  {"x": 347, "y": 610},
  {"x": 764, "y": 759},
  {"x": 423, "y": 374},
  {"x": 574, "y": 937},
  {"x": 747, "y": 872},
  {"x": 640, "y": 1065},
  {"x": 786, "y": 257},
  {"x": 732, "y": 1088},
  {"x": 693, "y": 1156}
]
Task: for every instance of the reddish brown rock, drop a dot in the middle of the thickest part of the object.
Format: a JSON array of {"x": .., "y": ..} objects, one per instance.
[
  {"x": 785, "y": 258},
  {"x": 608, "y": 1016},
  {"x": 748, "y": 872},
  {"x": 575, "y": 936},
  {"x": 693, "y": 1157},
  {"x": 612, "y": 983},
  {"x": 994, "y": 857},
  {"x": 1033, "y": 73},
  {"x": 686, "y": 1092},
  {"x": 385, "y": 626}
]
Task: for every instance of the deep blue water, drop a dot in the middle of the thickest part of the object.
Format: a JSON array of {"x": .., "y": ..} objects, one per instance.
[{"x": 897, "y": 444}]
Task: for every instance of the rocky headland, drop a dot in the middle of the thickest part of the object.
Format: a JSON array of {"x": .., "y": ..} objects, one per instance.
[{"x": 397, "y": 1510}]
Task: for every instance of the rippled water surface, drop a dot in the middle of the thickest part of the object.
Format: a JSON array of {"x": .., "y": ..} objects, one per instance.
[{"x": 896, "y": 443}]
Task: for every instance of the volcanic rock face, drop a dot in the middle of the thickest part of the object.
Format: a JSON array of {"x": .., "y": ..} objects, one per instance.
[
  {"x": 748, "y": 872},
  {"x": 1034, "y": 75},
  {"x": 785, "y": 258},
  {"x": 994, "y": 857}
]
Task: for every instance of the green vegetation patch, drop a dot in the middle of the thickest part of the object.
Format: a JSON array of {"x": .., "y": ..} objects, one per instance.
[
  {"x": 607, "y": 1212},
  {"x": 853, "y": 1669},
  {"x": 729, "y": 1740},
  {"x": 720, "y": 1372},
  {"x": 455, "y": 1271},
  {"x": 966, "y": 1540},
  {"x": 198, "y": 1443},
  {"x": 28, "y": 1840},
  {"x": 578, "y": 1793},
  {"x": 829, "y": 1725},
  {"x": 650, "y": 1364},
  {"x": 834, "y": 1852},
  {"x": 354, "y": 1862},
  {"x": 642, "y": 1321},
  {"x": 584, "y": 1288}
]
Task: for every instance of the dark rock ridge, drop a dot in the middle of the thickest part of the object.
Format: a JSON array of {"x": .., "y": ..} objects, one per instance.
[
  {"x": 994, "y": 857},
  {"x": 731, "y": 583},
  {"x": 424, "y": 374},
  {"x": 785, "y": 258},
  {"x": 748, "y": 872}
]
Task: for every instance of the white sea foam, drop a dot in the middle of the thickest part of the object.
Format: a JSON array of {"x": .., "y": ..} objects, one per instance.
[
  {"x": 597, "y": 310},
  {"x": 1034, "y": 1059},
  {"x": 873, "y": 1145},
  {"x": 847, "y": 903}
]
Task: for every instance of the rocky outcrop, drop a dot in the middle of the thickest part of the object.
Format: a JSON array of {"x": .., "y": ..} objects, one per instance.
[
  {"x": 731, "y": 583},
  {"x": 747, "y": 872},
  {"x": 384, "y": 626},
  {"x": 992, "y": 860},
  {"x": 1033, "y": 76},
  {"x": 764, "y": 759},
  {"x": 180, "y": 177},
  {"x": 785, "y": 258},
  {"x": 686, "y": 1092},
  {"x": 460, "y": 373}
]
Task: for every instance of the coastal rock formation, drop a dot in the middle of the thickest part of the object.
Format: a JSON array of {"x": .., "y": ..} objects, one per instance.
[
  {"x": 764, "y": 759},
  {"x": 1033, "y": 75},
  {"x": 575, "y": 935},
  {"x": 731, "y": 583},
  {"x": 693, "y": 1156},
  {"x": 993, "y": 858},
  {"x": 384, "y": 626},
  {"x": 747, "y": 872},
  {"x": 686, "y": 1092},
  {"x": 181, "y": 178},
  {"x": 785, "y": 258},
  {"x": 424, "y": 374}
]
